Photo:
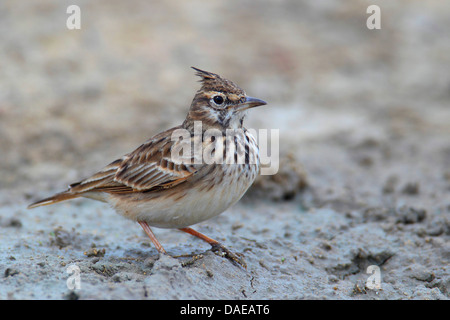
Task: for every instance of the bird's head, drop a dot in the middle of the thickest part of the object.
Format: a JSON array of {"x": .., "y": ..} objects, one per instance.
[{"x": 220, "y": 103}]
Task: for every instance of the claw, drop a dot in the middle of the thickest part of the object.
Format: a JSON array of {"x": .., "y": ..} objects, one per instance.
[
  {"x": 216, "y": 247},
  {"x": 221, "y": 250}
]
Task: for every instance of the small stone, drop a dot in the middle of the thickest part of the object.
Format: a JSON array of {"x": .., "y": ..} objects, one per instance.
[
  {"x": 150, "y": 261},
  {"x": 9, "y": 272},
  {"x": 411, "y": 188},
  {"x": 409, "y": 215},
  {"x": 422, "y": 274},
  {"x": 236, "y": 225},
  {"x": 93, "y": 252},
  {"x": 12, "y": 223}
]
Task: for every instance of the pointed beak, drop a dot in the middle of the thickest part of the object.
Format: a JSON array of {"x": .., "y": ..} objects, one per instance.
[{"x": 249, "y": 102}]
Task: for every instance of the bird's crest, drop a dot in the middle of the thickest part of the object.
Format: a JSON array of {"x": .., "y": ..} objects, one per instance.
[{"x": 213, "y": 82}]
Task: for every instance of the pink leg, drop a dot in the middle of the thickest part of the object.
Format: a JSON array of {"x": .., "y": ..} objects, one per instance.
[
  {"x": 216, "y": 246},
  {"x": 201, "y": 236},
  {"x": 152, "y": 237}
]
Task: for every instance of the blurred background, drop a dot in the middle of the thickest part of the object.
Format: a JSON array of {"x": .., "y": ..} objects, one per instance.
[
  {"x": 364, "y": 123},
  {"x": 358, "y": 109}
]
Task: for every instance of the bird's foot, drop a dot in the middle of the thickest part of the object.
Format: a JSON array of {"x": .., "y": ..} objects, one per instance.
[{"x": 222, "y": 251}]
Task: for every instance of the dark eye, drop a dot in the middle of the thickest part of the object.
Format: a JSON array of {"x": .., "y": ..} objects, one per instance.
[{"x": 218, "y": 100}]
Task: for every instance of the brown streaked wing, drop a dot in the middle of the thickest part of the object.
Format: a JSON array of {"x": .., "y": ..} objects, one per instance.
[
  {"x": 151, "y": 166},
  {"x": 101, "y": 181}
]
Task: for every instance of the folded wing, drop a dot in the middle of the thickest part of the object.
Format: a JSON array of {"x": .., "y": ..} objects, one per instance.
[{"x": 148, "y": 167}]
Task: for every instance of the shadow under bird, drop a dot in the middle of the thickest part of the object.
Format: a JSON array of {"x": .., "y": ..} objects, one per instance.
[{"x": 150, "y": 187}]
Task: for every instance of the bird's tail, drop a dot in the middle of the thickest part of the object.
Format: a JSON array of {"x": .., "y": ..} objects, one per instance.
[{"x": 66, "y": 195}]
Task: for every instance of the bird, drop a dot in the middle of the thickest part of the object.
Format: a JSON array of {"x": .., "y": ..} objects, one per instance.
[{"x": 165, "y": 183}]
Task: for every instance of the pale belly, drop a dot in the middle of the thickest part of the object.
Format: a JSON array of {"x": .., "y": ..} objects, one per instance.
[{"x": 186, "y": 207}]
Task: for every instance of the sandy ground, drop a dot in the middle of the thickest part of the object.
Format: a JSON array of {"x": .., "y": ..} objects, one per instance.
[{"x": 363, "y": 115}]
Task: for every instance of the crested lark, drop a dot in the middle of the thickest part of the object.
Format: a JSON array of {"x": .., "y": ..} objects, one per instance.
[{"x": 155, "y": 186}]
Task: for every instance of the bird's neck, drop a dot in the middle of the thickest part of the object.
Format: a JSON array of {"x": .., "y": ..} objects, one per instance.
[{"x": 213, "y": 122}]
